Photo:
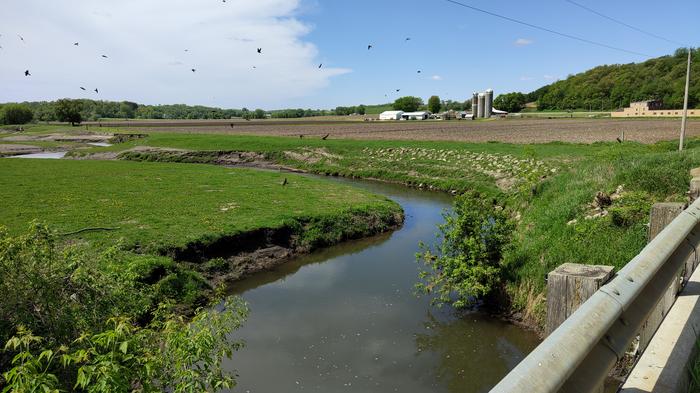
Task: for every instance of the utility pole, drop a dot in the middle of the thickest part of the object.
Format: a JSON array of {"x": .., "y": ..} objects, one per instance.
[{"x": 685, "y": 103}]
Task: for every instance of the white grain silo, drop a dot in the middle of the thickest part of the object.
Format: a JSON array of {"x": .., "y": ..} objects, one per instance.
[{"x": 488, "y": 103}]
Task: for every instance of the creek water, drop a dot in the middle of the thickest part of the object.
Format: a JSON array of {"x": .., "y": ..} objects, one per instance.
[
  {"x": 345, "y": 319},
  {"x": 46, "y": 155}
]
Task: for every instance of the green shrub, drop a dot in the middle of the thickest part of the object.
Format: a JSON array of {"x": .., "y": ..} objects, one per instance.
[
  {"x": 466, "y": 265},
  {"x": 16, "y": 114}
]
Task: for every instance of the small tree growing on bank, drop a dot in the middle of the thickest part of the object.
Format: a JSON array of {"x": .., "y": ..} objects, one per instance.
[
  {"x": 407, "y": 104},
  {"x": 434, "y": 104},
  {"x": 68, "y": 111},
  {"x": 465, "y": 267},
  {"x": 16, "y": 114}
]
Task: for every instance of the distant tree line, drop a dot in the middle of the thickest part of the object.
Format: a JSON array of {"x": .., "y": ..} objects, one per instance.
[{"x": 609, "y": 87}]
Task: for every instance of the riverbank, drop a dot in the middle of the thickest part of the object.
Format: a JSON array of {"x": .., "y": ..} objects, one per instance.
[
  {"x": 185, "y": 228},
  {"x": 569, "y": 202}
]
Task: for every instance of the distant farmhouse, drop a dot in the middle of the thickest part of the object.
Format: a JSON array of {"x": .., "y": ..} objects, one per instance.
[
  {"x": 652, "y": 108},
  {"x": 482, "y": 107}
]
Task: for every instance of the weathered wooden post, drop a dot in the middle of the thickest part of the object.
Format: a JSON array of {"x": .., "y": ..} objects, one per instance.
[{"x": 568, "y": 286}]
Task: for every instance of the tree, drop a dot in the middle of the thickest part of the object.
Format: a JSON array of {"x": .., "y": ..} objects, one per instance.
[
  {"x": 511, "y": 102},
  {"x": 407, "y": 104},
  {"x": 68, "y": 111},
  {"x": 259, "y": 114},
  {"x": 434, "y": 104},
  {"x": 127, "y": 109},
  {"x": 16, "y": 114}
]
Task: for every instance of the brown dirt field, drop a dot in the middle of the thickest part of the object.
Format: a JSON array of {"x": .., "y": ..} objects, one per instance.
[{"x": 503, "y": 130}]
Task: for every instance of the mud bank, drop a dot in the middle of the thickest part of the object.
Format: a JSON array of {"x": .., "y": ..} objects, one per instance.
[{"x": 233, "y": 258}]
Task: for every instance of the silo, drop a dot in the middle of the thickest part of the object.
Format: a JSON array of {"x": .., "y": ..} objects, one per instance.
[
  {"x": 488, "y": 103},
  {"x": 482, "y": 102},
  {"x": 475, "y": 105}
]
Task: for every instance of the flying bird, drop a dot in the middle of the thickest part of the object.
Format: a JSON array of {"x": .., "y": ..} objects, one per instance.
[
  {"x": 259, "y": 50},
  {"x": 194, "y": 70},
  {"x": 398, "y": 90},
  {"x": 97, "y": 91},
  {"x": 82, "y": 88},
  {"x": 419, "y": 71},
  {"x": 326, "y": 137},
  {"x": 187, "y": 50},
  {"x": 408, "y": 38},
  {"x": 105, "y": 56},
  {"x": 20, "y": 37},
  {"x": 369, "y": 46},
  {"x": 76, "y": 43},
  {"x": 26, "y": 73},
  {"x": 254, "y": 67},
  {"x": 320, "y": 65}
]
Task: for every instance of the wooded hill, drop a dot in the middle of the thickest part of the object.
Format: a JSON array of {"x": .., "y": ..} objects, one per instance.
[{"x": 611, "y": 87}]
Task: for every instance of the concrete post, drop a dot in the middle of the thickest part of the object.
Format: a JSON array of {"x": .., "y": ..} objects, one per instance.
[{"x": 568, "y": 286}]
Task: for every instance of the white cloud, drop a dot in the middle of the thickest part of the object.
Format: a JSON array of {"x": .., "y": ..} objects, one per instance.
[
  {"x": 436, "y": 77},
  {"x": 145, "y": 42},
  {"x": 523, "y": 42}
]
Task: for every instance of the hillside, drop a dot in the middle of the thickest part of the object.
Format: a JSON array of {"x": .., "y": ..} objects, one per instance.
[{"x": 610, "y": 87}]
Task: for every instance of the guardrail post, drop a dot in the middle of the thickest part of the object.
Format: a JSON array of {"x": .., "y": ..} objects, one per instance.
[{"x": 568, "y": 286}]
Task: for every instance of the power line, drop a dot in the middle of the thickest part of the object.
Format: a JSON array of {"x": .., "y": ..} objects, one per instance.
[
  {"x": 569, "y": 36},
  {"x": 625, "y": 24}
]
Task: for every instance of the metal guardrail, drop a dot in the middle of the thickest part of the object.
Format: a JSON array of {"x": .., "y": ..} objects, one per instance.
[{"x": 579, "y": 354}]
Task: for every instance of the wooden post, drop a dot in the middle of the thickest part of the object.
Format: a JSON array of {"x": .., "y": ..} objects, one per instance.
[
  {"x": 661, "y": 215},
  {"x": 694, "y": 191},
  {"x": 568, "y": 286}
]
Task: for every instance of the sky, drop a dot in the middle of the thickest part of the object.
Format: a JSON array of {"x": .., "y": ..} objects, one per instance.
[{"x": 314, "y": 52}]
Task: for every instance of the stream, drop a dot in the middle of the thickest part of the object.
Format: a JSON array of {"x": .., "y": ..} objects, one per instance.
[{"x": 346, "y": 319}]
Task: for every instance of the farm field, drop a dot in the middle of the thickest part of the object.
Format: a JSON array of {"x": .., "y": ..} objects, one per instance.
[{"x": 520, "y": 131}]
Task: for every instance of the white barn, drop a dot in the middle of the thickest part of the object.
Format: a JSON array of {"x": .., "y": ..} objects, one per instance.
[
  {"x": 415, "y": 116},
  {"x": 391, "y": 115}
]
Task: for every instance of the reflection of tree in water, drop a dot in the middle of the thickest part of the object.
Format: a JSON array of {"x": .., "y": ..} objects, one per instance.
[{"x": 474, "y": 351}]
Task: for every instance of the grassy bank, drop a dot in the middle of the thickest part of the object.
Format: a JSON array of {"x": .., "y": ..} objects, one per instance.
[{"x": 157, "y": 212}]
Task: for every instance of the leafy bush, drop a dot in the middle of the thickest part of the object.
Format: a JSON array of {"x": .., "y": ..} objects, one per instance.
[
  {"x": 16, "y": 114},
  {"x": 170, "y": 354},
  {"x": 465, "y": 266},
  {"x": 81, "y": 307}
]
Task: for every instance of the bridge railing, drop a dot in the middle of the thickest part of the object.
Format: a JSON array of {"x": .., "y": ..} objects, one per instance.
[{"x": 579, "y": 354}]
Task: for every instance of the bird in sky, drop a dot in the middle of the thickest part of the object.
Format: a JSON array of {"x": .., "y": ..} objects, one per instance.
[
  {"x": 419, "y": 71},
  {"x": 326, "y": 136},
  {"x": 369, "y": 46},
  {"x": 187, "y": 50},
  {"x": 20, "y": 37},
  {"x": 76, "y": 43},
  {"x": 254, "y": 67},
  {"x": 259, "y": 50},
  {"x": 82, "y": 88},
  {"x": 97, "y": 91},
  {"x": 408, "y": 38},
  {"x": 320, "y": 65},
  {"x": 398, "y": 90},
  {"x": 26, "y": 73},
  {"x": 194, "y": 70},
  {"x": 105, "y": 56}
]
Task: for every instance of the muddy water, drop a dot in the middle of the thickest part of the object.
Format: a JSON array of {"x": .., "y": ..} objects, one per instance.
[{"x": 345, "y": 319}]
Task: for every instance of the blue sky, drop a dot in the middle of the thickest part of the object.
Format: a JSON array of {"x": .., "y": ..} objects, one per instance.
[
  {"x": 472, "y": 51},
  {"x": 457, "y": 50}
]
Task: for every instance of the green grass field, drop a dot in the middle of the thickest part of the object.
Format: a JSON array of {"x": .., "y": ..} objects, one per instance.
[{"x": 158, "y": 206}]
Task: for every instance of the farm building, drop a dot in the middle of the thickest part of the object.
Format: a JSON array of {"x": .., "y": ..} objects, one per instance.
[
  {"x": 391, "y": 115},
  {"x": 415, "y": 115},
  {"x": 651, "y": 108}
]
